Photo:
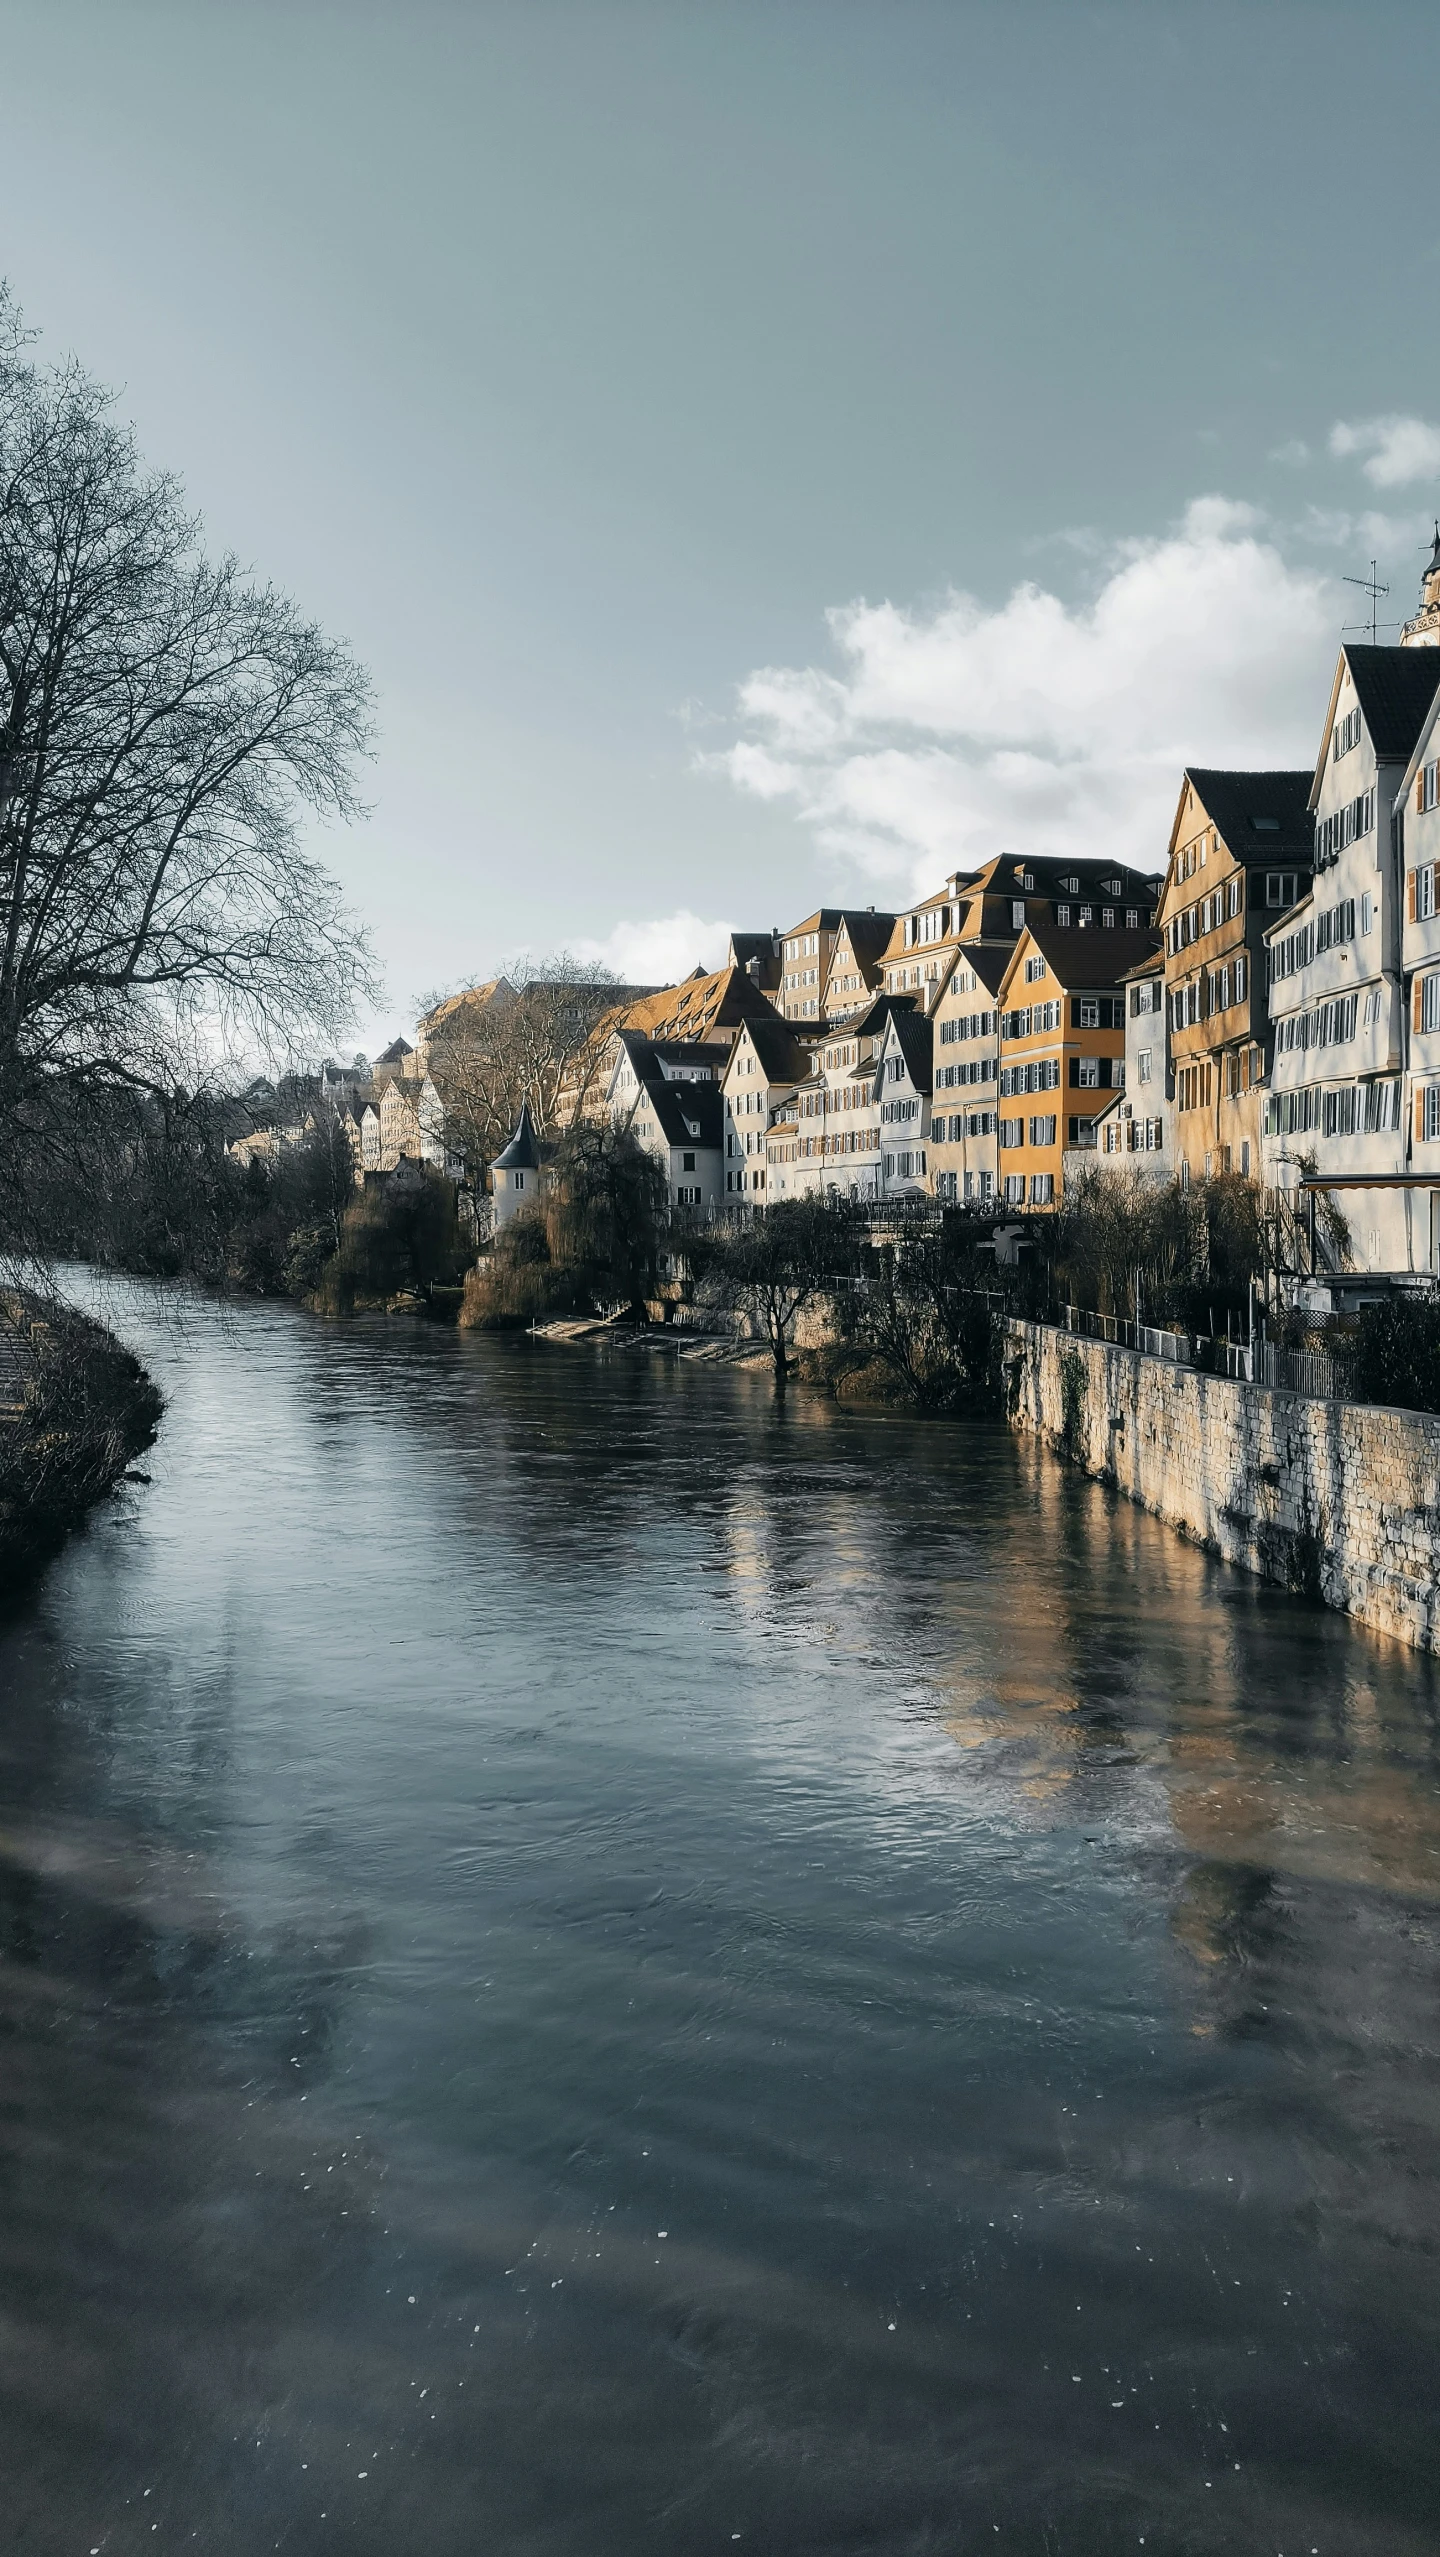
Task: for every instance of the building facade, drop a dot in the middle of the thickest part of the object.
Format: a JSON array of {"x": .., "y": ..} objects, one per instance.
[
  {"x": 1334, "y": 1112},
  {"x": 1062, "y": 1010},
  {"x": 1239, "y": 857}
]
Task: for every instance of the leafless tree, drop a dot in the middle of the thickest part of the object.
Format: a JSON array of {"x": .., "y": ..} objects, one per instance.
[
  {"x": 522, "y": 1042},
  {"x": 167, "y": 726}
]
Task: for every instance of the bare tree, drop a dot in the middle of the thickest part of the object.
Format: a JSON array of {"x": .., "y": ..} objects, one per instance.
[
  {"x": 167, "y": 725},
  {"x": 774, "y": 1267},
  {"x": 491, "y": 1049}
]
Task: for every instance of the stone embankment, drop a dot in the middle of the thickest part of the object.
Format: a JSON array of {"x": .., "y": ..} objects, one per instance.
[{"x": 1338, "y": 1500}]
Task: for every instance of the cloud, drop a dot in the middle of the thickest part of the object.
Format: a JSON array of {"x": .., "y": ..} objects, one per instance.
[
  {"x": 660, "y": 952},
  {"x": 953, "y": 734},
  {"x": 1393, "y": 449},
  {"x": 1294, "y": 455}
]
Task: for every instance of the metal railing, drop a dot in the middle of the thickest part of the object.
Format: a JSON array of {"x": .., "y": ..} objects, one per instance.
[
  {"x": 1145, "y": 1338},
  {"x": 1259, "y": 1362}
]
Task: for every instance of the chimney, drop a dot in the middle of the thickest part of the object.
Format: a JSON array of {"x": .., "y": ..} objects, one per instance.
[{"x": 752, "y": 971}]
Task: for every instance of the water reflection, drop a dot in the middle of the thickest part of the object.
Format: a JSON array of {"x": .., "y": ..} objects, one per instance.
[{"x": 587, "y": 1966}]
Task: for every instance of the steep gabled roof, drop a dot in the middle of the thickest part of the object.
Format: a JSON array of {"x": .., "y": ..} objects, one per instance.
[
  {"x": 699, "y": 1006},
  {"x": 988, "y": 962},
  {"x": 1394, "y": 687},
  {"x": 689, "y": 1113},
  {"x": 1089, "y": 960},
  {"x": 1425, "y": 741},
  {"x": 1233, "y": 800},
  {"x": 782, "y": 1058},
  {"x": 914, "y": 1038},
  {"x": 872, "y": 1021}
]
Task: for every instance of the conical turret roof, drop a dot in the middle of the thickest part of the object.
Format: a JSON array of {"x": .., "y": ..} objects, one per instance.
[{"x": 522, "y": 1153}]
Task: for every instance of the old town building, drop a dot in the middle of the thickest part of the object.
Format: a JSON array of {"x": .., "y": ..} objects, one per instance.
[
  {"x": 1239, "y": 858},
  {"x": 1062, "y": 1048}
]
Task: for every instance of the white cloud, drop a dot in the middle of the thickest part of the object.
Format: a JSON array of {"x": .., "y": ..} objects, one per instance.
[
  {"x": 660, "y": 952},
  {"x": 953, "y": 734},
  {"x": 1393, "y": 450},
  {"x": 1294, "y": 455}
]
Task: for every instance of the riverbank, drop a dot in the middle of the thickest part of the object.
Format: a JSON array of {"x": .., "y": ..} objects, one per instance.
[
  {"x": 1337, "y": 1501},
  {"x": 76, "y": 1409}
]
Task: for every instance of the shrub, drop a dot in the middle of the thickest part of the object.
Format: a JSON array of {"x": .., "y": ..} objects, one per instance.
[
  {"x": 1395, "y": 1356},
  {"x": 79, "y": 1409},
  {"x": 400, "y": 1236},
  {"x": 516, "y": 1282}
]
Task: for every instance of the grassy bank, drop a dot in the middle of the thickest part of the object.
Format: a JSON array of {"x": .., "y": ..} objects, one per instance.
[{"x": 76, "y": 1408}]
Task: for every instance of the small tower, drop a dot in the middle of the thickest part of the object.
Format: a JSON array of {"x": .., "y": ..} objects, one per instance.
[
  {"x": 1424, "y": 630},
  {"x": 518, "y": 1173}
]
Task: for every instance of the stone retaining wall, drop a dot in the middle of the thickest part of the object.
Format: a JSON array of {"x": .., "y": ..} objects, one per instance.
[{"x": 1340, "y": 1500}]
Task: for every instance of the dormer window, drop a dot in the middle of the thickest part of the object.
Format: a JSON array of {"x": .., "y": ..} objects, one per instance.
[
  {"x": 1062, "y": 917},
  {"x": 1087, "y": 917}
]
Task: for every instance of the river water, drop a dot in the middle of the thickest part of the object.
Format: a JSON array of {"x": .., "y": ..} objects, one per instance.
[{"x": 588, "y": 1968}]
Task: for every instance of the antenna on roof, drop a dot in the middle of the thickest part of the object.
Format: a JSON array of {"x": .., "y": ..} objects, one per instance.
[{"x": 1374, "y": 590}]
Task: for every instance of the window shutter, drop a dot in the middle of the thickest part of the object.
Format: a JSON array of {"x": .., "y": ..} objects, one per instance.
[
  {"x": 1417, "y": 1011},
  {"x": 1075, "y": 1073},
  {"x": 1419, "y": 1118},
  {"x": 1410, "y": 896},
  {"x": 1419, "y": 792}
]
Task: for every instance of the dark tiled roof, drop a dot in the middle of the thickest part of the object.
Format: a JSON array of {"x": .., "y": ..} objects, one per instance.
[
  {"x": 988, "y": 962},
  {"x": 1395, "y": 687},
  {"x": 689, "y": 1113},
  {"x": 392, "y": 1055},
  {"x": 1231, "y": 800},
  {"x": 1088, "y": 959},
  {"x": 522, "y": 1153},
  {"x": 779, "y": 1051},
  {"x": 915, "y": 1039},
  {"x": 872, "y": 1021}
]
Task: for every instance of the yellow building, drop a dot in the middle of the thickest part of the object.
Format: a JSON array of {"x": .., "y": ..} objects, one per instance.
[
  {"x": 1240, "y": 857},
  {"x": 1062, "y": 1048}
]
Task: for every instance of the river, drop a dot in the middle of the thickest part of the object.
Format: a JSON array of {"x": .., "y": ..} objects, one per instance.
[{"x": 589, "y": 1967}]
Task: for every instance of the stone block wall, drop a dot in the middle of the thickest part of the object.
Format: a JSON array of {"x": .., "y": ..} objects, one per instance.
[{"x": 1340, "y": 1500}]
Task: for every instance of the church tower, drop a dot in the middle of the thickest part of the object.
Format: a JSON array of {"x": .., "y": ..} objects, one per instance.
[{"x": 1424, "y": 630}]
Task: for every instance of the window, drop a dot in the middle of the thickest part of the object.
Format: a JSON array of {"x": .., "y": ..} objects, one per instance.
[
  {"x": 1427, "y": 1003},
  {"x": 1107, "y": 918},
  {"x": 1014, "y": 1189},
  {"x": 1062, "y": 917},
  {"x": 1085, "y": 1073},
  {"x": 1347, "y": 825},
  {"x": 1017, "y": 913},
  {"x": 1132, "y": 918},
  {"x": 1427, "y": 786},
  {"x": 1346, "y": 734},
  {"x": 1429, "y": 1113},
  {"x": 1143, "y": 1061},
  {"x": 1282, "y": 887},
  {"x": 1034, "y": 971},
  {"x": 1367, "y": 913},
  {"x": 1042, "y": 1131},
  {"x": 1042, "y": 1189},
  {"x": 1012, "y": 1132},
  {"x": 1422, "y": 893},
  {"x": 687, "y": 1162},
  {"x": 1087, "y": 916},
  {"x": 1234, "y": 895}
]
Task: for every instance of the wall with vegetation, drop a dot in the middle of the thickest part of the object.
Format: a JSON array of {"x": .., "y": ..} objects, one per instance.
[{"x": 1340, "y": 1500}]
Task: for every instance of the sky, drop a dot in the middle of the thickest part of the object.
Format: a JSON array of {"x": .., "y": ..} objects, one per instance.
[{"x": 767, "y": 451}]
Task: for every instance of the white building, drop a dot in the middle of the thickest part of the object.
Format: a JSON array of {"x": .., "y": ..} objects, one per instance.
[
  {"x": 1417, "y": 813},
  {"x": 667, "y": 1092},
  {"x": 903, "y": 1085},
  {"x": 759, "y": 1081},
  {"x": 1336, "y": 1003},
  {"x": 1139, "y": 1125},
  {"x": 517, "y": 1172}
]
